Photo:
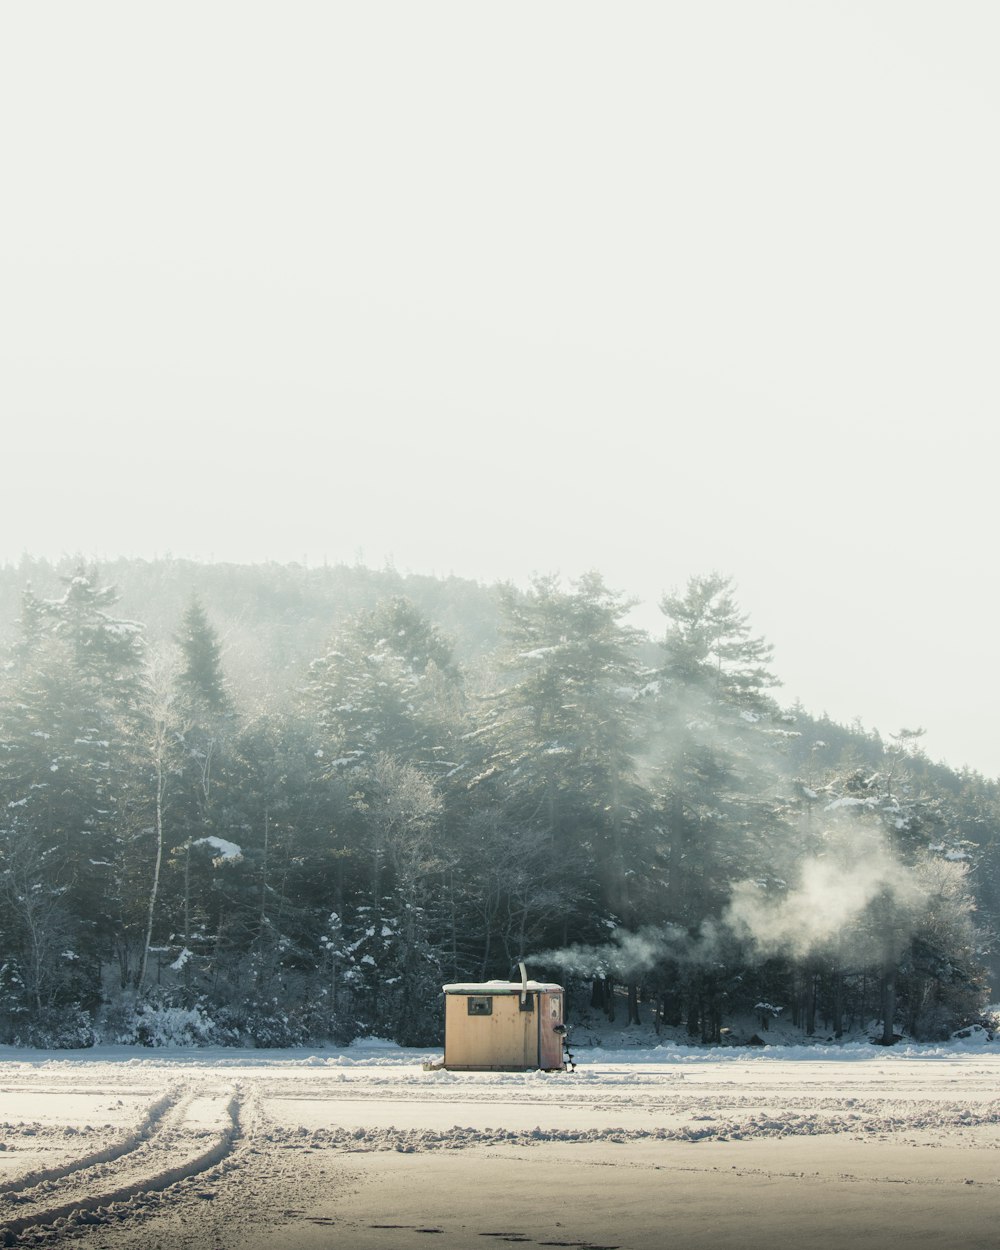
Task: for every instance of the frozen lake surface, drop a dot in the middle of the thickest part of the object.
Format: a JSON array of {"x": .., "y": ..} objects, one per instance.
[{"x": 114, "y": 1148}]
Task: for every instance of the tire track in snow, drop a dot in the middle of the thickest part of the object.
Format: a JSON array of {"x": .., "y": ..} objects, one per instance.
[
  {"x": 107, "y": 1154},
  {"x": 118, "y": 1186}
]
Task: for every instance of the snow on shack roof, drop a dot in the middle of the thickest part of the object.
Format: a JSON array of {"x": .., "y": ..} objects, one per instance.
[{"x": 501, "y": 987}]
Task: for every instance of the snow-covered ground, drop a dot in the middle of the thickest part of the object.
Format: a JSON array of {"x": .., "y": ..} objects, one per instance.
[{"x": 118, "y": 1147}]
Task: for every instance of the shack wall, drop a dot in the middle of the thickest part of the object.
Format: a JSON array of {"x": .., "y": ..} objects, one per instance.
[{"x": 508, "y": 1038}]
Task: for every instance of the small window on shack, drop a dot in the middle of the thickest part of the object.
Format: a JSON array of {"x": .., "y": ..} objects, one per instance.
[
  {"x": 480, "y": 1005},
  {"x": 527, "y": 1002}
]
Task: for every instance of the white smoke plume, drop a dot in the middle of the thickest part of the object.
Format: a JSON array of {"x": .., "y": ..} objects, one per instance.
[
  {"x": 626, "y": 956},
  {"x": 825, "y": 906}
]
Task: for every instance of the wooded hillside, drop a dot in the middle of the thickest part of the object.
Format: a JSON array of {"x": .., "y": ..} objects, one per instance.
[{"x": 274, "y": 804}]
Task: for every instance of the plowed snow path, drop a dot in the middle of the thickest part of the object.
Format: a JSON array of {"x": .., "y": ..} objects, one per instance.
[
  {"x": 180, "y": 1135},
  {"x": 273, "y": 1151}
]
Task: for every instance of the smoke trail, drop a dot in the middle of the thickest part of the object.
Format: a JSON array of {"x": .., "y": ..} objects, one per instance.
[
  {"x": 826, "y": 904},
  {"x": 626, "y": 956}
]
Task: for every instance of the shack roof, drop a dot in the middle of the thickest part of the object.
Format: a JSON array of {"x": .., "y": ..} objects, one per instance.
[{"x": 502, "y": 987}]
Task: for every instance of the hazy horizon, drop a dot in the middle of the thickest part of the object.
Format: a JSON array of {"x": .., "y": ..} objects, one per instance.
[{"x": 658, "y": 291}]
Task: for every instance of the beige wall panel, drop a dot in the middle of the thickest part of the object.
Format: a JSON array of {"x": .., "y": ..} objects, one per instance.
[{"x": 506, "y": 1039}]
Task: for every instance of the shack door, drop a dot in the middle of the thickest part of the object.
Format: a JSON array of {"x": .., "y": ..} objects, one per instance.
[{"x": 550, "y": 1043}]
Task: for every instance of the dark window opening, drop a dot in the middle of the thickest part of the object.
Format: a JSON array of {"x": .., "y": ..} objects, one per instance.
[
  {"x": 480, "y": 1006},
  {"x": 527, "y": 1002}
]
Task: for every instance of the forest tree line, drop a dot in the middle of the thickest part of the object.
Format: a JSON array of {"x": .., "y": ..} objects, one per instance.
[{"x": 638, "y": 817}]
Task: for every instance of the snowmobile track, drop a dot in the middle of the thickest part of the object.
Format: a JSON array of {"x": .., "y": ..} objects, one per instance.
[
  {"x": 104, "y": 1199},
  {"x": 108, "y": 1154}
]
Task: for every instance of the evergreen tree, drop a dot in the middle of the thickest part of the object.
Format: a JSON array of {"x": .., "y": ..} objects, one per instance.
[
  {"x": 200, "y": 679},
  {"x": 204, "y": 797},
  {"x": 713, "y": 769},
  {"x": 65, "y": 760},
  {"x": 559, "y": 743},
  {"x": 375, "y": 692},
  {"x": 384, "y": 696}
]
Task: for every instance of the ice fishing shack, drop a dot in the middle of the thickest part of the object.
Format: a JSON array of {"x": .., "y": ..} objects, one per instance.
[{"x": 504, "y": 1026}]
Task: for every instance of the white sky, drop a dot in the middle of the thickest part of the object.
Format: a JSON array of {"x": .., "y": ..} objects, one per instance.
[{"x": 496, "y": 289}]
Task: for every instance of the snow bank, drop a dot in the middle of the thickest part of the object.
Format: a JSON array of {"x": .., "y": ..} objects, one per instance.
[{"x": 375, "y": 1052}]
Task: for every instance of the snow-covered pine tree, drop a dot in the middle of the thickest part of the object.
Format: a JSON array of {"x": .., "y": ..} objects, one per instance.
[
  {"x": 385, "y": 699},
  {"x": 714, "y": 737},
  {"x": 558, "y": 745},
  {"x": 374, "y": 690},
  {"x": 69, "y": 719},
  {"x": 916, "y": 941}
]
